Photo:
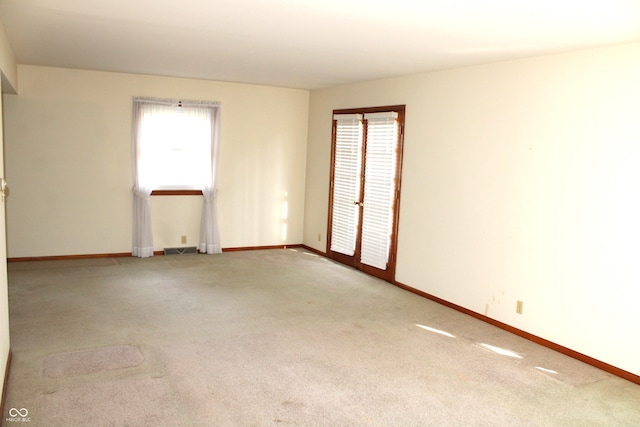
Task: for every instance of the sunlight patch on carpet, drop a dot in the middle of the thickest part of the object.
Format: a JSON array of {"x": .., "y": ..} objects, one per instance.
[{"x": 90, "y": 361}]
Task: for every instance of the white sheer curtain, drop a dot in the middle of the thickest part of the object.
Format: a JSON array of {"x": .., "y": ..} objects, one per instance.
[
  {"x": 142, "y": 238},
  {"x": 162, "y": 131},
  {"x": 209, "y": 232}
]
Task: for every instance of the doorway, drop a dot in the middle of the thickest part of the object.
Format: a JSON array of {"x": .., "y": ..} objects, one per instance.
[{"x": 364, "y": 201}]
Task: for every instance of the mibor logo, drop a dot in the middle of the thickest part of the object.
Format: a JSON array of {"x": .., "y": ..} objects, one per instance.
[
  {"x": 18, "y": 416},
  {"x": 22, "y": 412}
]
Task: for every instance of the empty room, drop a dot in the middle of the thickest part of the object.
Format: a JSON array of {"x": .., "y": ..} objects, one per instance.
[{"x": 320, "y": 213}]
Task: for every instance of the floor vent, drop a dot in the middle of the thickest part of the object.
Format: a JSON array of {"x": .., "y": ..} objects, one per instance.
[{"x": 180, "y": 251}]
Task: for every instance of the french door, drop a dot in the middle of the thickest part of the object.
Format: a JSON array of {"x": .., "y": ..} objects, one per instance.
[{"x": 365, "y": 188}]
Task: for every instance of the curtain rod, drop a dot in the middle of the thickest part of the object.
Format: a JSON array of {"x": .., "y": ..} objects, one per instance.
[{"x": 178, "y": 102}]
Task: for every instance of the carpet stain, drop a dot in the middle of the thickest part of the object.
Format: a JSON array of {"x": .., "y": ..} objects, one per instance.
[
  {"x": 292, "y": 404},
  {"x": 90, "y": 361}
]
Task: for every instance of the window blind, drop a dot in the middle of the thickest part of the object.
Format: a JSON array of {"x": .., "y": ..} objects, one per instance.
[
  {"x": 346, "y": 183},
  {"x": 380, "y": 175}
]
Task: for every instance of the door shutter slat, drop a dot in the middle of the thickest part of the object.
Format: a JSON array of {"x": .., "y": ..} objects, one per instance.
[
  {"x": 379, "y": 188},
  {"x": 346, "y": 183}
]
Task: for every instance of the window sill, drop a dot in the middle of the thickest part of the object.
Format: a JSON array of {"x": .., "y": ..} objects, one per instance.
[{"x": 176, "y": 193}]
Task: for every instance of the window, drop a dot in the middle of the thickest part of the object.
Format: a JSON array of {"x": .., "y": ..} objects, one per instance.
[
  {"x": 175, "y": 150},
  {"x": 174, "y": 143}
]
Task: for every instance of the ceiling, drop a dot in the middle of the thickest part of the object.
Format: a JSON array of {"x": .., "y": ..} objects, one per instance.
[{"x": 305, "y": 44}]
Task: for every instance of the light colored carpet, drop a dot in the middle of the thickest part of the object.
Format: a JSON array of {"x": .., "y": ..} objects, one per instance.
[
  {"x": 281, "y": 337},
  {"x": 53, "y": 265},
  {"x": 92, "y": 360}
]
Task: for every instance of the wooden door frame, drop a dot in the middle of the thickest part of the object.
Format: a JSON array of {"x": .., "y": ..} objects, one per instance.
[{"x": 389, "y": 273}]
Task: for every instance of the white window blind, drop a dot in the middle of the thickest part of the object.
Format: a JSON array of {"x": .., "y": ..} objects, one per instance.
[
  {"x": 179, "y": 148},
  {"x": 175, "y": 143},
  {"x": 380, "y": 175},
  {"x": 346, "y": 183}
]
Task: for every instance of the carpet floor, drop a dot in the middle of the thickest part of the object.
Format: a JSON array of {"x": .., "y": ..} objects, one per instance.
[{"x": 275, "y": 337}]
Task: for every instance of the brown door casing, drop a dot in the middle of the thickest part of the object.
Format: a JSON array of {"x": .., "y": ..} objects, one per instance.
[{"x": 387, "y": 273}]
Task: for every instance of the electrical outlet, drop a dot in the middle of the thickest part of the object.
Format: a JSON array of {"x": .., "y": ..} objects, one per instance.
[
  {"x": 519, "y": 307},
  {"x": 183, "y": 239},
  {"x": 319, "y": 237}
]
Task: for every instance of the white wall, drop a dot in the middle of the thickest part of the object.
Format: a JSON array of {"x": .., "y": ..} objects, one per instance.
[
  {"x": 8, "y": 64},
  {"x": 68, "y": 156},
  {"x": 8, "y": 83},
  {"x": 520, "y": 182}
]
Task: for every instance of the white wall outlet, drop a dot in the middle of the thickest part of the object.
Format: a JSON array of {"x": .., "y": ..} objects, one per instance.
[
  {"x": 183, "y": 239},
  {"x": 519, "y": 307}
]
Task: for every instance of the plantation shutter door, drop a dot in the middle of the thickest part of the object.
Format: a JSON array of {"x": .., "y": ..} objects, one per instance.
[
  {"x": 379, "y": 188},
  {"x": 346, "y": 183}
]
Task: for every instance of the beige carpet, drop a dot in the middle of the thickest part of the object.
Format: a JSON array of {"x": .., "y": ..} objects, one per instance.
[
  {"x": 278, "y": 337},
  {"x": 53, "y": 265},
  {"x": 92, "y": 360}
]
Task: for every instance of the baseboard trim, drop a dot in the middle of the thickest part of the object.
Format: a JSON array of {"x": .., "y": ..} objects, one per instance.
[
  {"x": 315, "y": 251},
  {"x": 534, "y": 338},
  {"x": 6, "y": 384},
  {"x": 128, "y": 254},
  {"x": 259, "y": 248},
  {"x": 69, "y": 257}
]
